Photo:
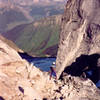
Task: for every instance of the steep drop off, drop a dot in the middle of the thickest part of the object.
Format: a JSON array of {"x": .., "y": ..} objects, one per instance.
[{"x": 80, "y": 36}]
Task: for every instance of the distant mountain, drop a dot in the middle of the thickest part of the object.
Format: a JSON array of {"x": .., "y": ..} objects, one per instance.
[
  {"x": 39, "y": 38},
  {"x": 29, "y": 2},
  {"x": 16, "y": 12},
  {"x": 12, "y": 15},
  {"x": 10, "y": 18}
]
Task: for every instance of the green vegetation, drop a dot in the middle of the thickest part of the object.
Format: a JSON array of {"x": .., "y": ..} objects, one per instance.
[{"x": 37, "y": 37}]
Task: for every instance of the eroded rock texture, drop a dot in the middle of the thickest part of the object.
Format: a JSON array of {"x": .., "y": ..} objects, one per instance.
[
  {"x": 20, "y": 80},
  {"x": 80, "y": 33}
]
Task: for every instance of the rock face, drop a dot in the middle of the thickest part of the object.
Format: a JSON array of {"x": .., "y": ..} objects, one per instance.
[
  {"x": 80, "y": 33},
  {"x": 20, "y": 80}
]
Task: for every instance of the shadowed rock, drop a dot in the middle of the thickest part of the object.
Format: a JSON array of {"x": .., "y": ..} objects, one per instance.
[
  {"x": 83, "y": 65},
  {"x": 21, "y": 89},
  {"x": 1, "y": 98}
]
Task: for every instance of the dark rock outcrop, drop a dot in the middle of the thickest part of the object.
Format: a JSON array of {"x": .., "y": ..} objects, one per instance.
[{"x": 80, "y": 33}]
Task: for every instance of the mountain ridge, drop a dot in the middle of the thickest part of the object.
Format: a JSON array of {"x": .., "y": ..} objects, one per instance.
[
  {"x": 13, "y": 14},
  {"x": 41, "y": 37}
]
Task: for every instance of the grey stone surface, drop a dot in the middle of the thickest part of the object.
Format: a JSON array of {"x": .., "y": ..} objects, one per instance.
[{"x": 80, "y": 32}]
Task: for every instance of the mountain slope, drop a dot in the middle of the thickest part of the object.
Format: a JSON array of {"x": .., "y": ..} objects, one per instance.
[
  {"x": 39, "y": 38},
  {"x": 10, "y": 43},
  {"x": 10, "y": 17},
  {"x": 17, "y": 12}
]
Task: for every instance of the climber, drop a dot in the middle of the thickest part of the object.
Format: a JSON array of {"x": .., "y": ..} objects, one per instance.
[{"x": 52, "y": 71}]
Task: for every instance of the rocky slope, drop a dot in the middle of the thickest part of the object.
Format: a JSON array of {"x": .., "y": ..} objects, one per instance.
[
  {"x": 39, "y": 38},
  {"x": 80, "y": 37},
  {"x": 20, "y": 80}
]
